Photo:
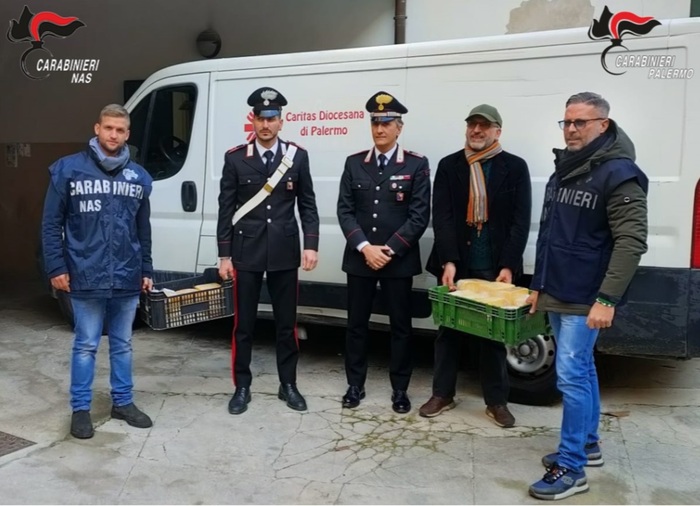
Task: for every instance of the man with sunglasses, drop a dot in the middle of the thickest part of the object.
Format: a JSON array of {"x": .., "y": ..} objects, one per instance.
[
  {"x": 481, "y": 219},
  {"x": 593, "y": 232}
]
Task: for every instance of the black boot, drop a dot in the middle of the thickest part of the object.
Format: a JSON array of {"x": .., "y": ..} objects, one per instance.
[
  {"x": 353, "y": 396},
  {"x": 400, "y": 402},
  {"x": 239, "y": 402},
  {"x": 81, "y": 425},
  {"x": 288, "y": 392},
  {"x": 132, "y": 415}
]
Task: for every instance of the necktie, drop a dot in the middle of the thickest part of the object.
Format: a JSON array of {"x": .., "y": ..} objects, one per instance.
[
  {"x": 382, "y": 161},
  {"x": 268, "y": 160}
]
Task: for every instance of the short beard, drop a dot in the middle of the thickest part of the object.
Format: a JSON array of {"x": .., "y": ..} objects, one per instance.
[
  {"x": 109, "y": 152},
  {"x": 467, "y": 146}
]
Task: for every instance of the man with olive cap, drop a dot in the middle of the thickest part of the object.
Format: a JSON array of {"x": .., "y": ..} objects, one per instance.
[
  {"x": 383, "y": 210},
  {"x": 261, "y": 183},
  {"x": 481, "y": 220}
]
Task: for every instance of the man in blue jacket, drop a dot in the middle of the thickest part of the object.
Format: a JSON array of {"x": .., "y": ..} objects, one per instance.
[
  {"x": 593, "y": 232},
  {"x": 96, "y": 238}
]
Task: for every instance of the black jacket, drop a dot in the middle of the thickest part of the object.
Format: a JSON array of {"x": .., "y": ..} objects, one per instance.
[
  {"x": 510, "y": 204},
  {"x": 267, "y": 238},
  {"x": 391, "y": 207}
]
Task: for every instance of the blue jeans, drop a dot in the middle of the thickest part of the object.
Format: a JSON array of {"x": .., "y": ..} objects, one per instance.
[
  {"x": 577, "y": 380},
  {"x": 90, "y": 314}
]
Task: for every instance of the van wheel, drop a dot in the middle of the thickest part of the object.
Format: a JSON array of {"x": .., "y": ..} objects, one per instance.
[{"x": 532, "y": 372}]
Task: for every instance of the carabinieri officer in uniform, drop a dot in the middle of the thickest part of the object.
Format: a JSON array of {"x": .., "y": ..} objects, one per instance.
[
  {"x": 383, "y": 210},
  {"x": 261, "y": 190}
]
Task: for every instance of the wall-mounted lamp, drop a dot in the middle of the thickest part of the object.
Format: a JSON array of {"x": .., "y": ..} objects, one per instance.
[{"x": 209, "y": 43}]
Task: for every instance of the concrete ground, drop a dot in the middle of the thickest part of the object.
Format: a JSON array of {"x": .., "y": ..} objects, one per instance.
[{"x": 196, "y": 453}]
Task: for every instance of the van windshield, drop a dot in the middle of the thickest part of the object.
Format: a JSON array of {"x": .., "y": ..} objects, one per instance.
[{"x": 161, "y": 128}]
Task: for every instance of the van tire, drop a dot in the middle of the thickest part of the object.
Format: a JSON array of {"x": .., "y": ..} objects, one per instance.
[
  {"x": 532, "y": 372},
  {"x": 539, "y": 391}
]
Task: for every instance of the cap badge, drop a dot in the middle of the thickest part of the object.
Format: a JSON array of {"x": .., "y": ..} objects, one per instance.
[
  {"x": 268, "y": 95},
  {"x": 382, "y": 100}
]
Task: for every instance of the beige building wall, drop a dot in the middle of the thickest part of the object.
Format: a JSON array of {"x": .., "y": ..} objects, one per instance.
[{"x": 454, "y": 19}]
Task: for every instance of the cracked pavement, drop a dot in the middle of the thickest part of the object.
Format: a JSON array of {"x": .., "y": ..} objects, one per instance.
[{"x": 196, "y": 453}]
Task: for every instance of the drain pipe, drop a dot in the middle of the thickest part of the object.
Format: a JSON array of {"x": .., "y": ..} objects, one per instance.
[{"x": 400, "y": 22}]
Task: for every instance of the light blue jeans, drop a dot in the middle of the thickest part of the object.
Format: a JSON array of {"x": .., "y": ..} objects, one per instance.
[
  {"x": 118, "y": 313},
  {"x": 577, "y": 380}
]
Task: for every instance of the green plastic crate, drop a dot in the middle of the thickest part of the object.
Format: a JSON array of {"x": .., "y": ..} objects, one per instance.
[{"x": 508, "y": 326}]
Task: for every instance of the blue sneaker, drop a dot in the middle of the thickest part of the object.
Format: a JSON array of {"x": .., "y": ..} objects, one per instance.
[
  {"x": 595, "y": 457},
  {"x": 559, "y": 483}
]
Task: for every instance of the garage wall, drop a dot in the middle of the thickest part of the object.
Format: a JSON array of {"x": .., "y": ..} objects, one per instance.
[{"x": 21, "y": 204}]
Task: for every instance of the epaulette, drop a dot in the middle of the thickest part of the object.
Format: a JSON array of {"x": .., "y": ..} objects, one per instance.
[
  {"x": 414, "y": 153},
  {"x": 297, "y": 145},
  {"x": 236, "y": 148}
]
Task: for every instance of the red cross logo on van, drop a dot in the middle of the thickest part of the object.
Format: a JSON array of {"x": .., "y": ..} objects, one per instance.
[{"x": 248, "y": 127}]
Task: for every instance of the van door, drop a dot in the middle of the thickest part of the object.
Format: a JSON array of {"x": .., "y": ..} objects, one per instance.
[{"x": 168, "y": 138}]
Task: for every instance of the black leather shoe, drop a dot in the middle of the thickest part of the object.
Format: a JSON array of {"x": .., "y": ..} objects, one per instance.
[
  {"x": 400, "y": 402},
  {"x": 81, "y": 425},
  {"x": 353, "y": 396},
  {"x": 132, "y": 415},
  {"x": 239, "y": 402},
  {"x": 288, "y": 392}
]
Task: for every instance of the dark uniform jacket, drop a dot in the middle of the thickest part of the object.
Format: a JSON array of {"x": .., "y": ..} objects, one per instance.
[
  {"x": 391, "y": 207},
  {"x": 510, "y": 204},
  {"x": 267, "y": 238}
]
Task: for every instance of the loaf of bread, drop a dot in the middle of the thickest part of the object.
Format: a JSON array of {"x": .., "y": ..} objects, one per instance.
[
  {"x": 505, "y": 295},
  {"x": 207, "y": 286},
  {"x": 185, "y": 290},
  {"x": 476, "y": 285}
]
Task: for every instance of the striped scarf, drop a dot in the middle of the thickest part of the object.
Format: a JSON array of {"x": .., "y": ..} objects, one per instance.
[{"x": 478, "y": 207}]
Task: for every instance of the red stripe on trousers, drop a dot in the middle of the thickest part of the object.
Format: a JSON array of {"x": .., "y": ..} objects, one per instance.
[{"x": 235, "y": 327}]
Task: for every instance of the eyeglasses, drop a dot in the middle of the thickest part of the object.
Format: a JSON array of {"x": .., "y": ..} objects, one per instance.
[
  {"x": 578, "y": 123},
  {"x": 484, "y": 125}
]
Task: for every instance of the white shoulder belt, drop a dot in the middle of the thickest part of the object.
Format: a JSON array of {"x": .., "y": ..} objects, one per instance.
[{"x": 265, "y": 191}]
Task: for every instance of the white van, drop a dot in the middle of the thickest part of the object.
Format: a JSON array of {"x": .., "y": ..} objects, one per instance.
[{"x": 185, "y": 117}]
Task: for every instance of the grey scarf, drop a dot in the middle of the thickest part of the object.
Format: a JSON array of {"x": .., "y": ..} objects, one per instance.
[{"x": 110, "y": 163}]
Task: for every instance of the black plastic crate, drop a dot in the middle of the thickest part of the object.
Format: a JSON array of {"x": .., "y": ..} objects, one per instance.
[{"x": 162, "y": 312}]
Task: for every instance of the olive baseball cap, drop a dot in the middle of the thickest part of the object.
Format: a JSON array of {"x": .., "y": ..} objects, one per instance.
[{"x": 487, "y": 111}]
